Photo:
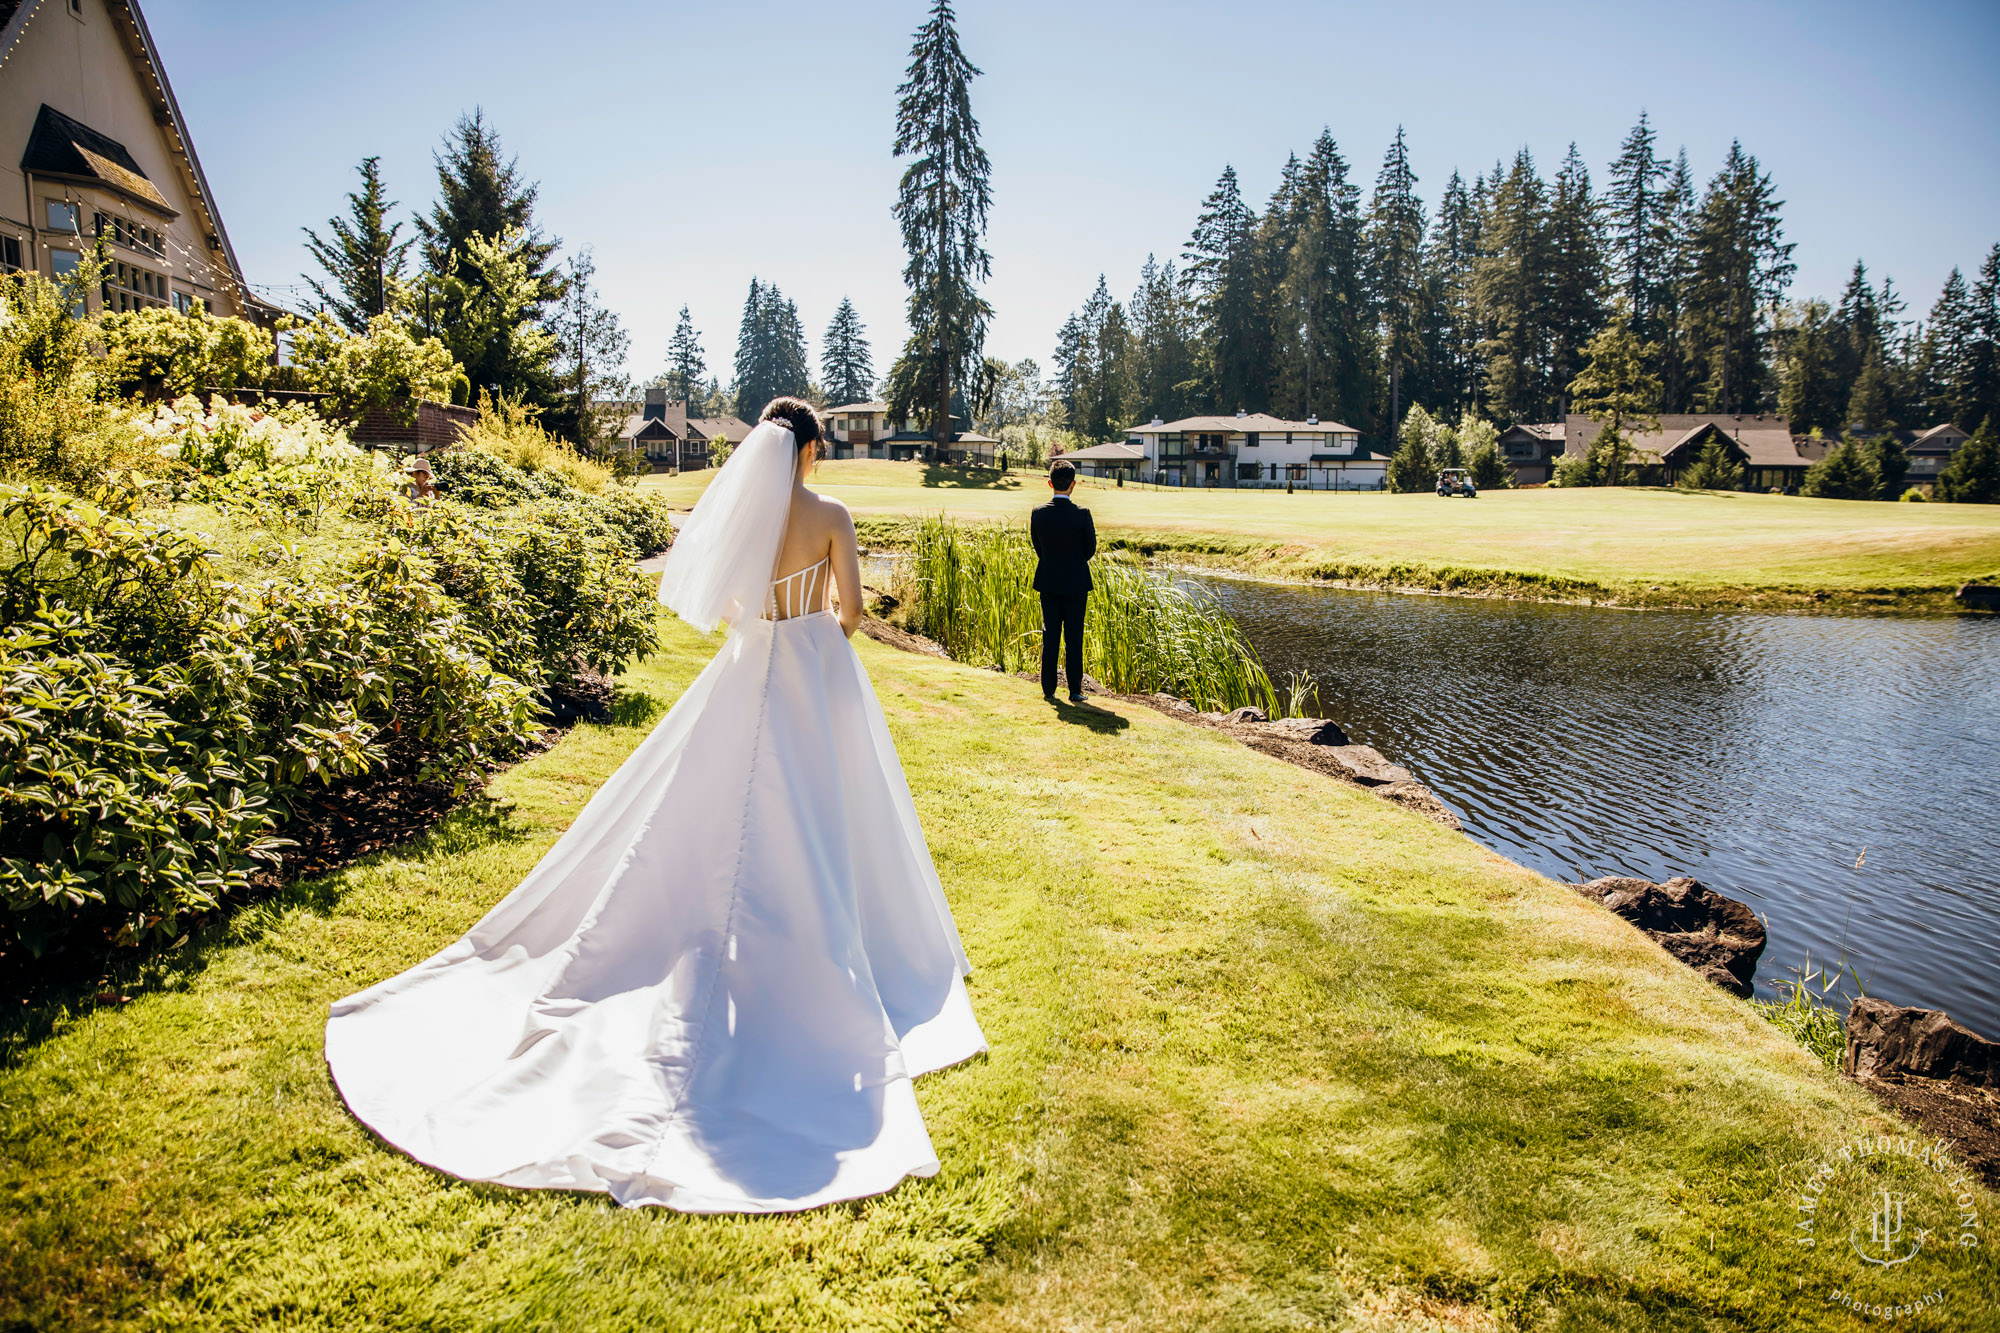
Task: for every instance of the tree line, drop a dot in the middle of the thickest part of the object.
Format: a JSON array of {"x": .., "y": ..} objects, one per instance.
[{"x": 1489, "y": 302}]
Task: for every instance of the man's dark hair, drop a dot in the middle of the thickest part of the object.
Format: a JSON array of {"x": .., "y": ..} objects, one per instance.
[
  {"x": 795, "y": 415},
  {"x": 1062, "y": 474}
]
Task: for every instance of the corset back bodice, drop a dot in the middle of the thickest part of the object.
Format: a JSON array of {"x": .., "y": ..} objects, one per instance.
[{"x": 799, "y": 593}]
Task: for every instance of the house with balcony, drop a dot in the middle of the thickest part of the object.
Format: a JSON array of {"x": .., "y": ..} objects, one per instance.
[
  {"x": 1256, "y": 450},
  {"x": 669, "y": 438},
  {"x": 94, "y": 152},
  {"x": 858, "y": 430},
  {"x": 1930, "y": 450},
  {"x": 1530, "y": 452}
]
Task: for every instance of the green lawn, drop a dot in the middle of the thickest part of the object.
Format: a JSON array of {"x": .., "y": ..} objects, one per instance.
[
  {"x": 1625, "y": 545},
  {"x": 1268, "y": 1052}
]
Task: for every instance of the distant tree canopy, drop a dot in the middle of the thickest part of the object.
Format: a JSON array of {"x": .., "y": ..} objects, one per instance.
[
  {"x": 1494, "y": 300},
  {"x": 770, "y": 351},
  {"x": 846, "y": 366}
]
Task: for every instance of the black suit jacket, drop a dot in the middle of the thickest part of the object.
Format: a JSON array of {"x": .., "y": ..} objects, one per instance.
[{"x": 1065, "y": 539}]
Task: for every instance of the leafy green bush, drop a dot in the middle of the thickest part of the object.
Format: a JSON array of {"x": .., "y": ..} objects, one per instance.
[
  {"x": 158, "y": 350},
  {"x": 106, "y": 808},
  {"x": 1846, "y": 473},
  {"x": 53, "y": 420},
  {"x": 1973, "y": 474},
  {"x": 1712, "y": 470},
  {"x": 388, "y": 364}
]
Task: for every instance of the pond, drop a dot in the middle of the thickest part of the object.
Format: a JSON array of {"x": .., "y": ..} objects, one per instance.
[{"x": 1759, "y": 753}]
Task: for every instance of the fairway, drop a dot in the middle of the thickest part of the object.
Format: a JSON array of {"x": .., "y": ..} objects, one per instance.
[
  {"x": 1614, "y": 543},
  {"x": 1267, "y": 1052}
]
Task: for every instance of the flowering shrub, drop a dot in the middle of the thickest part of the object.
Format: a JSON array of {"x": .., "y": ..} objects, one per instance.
[
  {"x": 164, "y": 350},
  {"x": 286, "y": 466}
]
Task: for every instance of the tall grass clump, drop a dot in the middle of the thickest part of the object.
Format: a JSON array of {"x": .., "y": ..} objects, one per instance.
[
  {"x": 972, "y": 587},
  {"x": 1809, "y": 1014}
]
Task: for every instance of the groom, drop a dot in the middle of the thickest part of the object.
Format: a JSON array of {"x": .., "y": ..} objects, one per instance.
[{"x": 1065, "y": 540}]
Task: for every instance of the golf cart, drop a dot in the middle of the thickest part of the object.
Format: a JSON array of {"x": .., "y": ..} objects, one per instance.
[{"x": 1456, "y": 481}]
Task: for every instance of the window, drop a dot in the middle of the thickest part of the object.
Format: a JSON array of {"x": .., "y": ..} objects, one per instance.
[
  {"x": 10, "y": 252},
  {"x": 61, "y": 215},
  {"x": 1250, "y": 440},
  {"x": 1248, "y": 471},
  {"x": 184, "y": 303},
  {"x": 62, "y": 263},
  {"x": 76, "y": 9}
]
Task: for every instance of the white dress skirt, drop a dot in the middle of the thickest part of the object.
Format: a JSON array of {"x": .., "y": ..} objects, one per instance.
[{"x": 713, "y": 991}]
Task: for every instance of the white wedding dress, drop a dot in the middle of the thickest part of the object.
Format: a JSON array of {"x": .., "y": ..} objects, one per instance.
[{"x": 713, "y": 991}]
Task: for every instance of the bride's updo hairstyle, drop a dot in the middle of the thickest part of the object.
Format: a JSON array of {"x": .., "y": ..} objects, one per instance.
[{"x": 797, "y": 416}]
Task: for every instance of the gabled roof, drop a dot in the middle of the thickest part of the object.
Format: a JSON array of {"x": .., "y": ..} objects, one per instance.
[
  {"x": 859, "y": 407},
  {"x": 15, "y": 15},
  {"x": 1945, "y": 437},
  {"x": 1765, "y": 440},
  {"x": 729, "y": 428},
  {"x": 1261, "y": 422},
  {"x": 641, "y": 427},
  {"x": 1551, "y": 431},
  {"x": 60, "y": 146},
  {"x": 1106, "y": 453}
]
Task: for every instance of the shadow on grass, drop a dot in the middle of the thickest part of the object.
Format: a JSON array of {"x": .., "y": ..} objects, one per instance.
[
  {"x": 41, "y": 996},
  {"x": 1100, "y": 720},
  {"x": 970, "y": 478},
  {"x": 634, "y": 708}
]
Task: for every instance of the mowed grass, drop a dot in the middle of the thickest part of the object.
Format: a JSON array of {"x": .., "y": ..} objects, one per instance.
[
  {"x": 1268, "y": 1053},
  {"x": 1643, "y": 546}
]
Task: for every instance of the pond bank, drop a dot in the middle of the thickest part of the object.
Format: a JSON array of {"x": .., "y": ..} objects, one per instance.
[{"x": 1266, "y": 1049}]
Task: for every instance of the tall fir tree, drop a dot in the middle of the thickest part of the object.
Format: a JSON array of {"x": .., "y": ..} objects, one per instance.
[
  {"x": 1981, "y": 395},
  {"x": 1325, "y": 344},
  {"x": 687, "y": 366},
  {"x": 1396, "y": 270},
  {"x": 770, "y": 351},
  {"x": 1670, "y": 357},
  {"x": 1513, "y": 279},
  {"x": 1810, "y": 393},
  {"x": 483, "y": 202},
  {"x": 1636, "y": 206},
  {"x": 1739, "y": 266},
  {"x": 1856, "y": 330},
  {"x": 1453, "y": 333},
  {"x": 362, "y": 255},
  {"x": 1224, "y": 276},
  {"x": 941, "y": 205},
  {"x": 1577, "y": 274},
  {"x": 591, "y": 344},
  {"x": 846, "y": 365},
  {"x": 1163, "y": 352},
  {"x": 1094, "y": 370}
]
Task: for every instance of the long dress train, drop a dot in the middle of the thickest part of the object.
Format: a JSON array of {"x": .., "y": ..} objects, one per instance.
[{"x": 713, "y": 991}]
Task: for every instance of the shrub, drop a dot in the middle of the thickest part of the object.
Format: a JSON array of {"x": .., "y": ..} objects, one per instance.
[
  {"x": 1973, "y": 474},
  {"x": 1846, "y": 473},
  {"x": 1414, "y": 465},
  {"x": 158, "y": 350},
  {"x": 387, "y": 365},
  {"x": 1712, "y": 470},
  {"x": 106, "y": 809},
  {"x": 1480, "y": 442},
  {"x": 53, "y": 422},
  {"x": 1913, "y": 496}
]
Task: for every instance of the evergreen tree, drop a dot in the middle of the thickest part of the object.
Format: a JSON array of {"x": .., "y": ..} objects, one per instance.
[
  {"x": 482, "y": 201},
  {"x": 1512, "y": 280},
  {"x": 1670, "y": 360},
  {"x": 687, "y": 368},
  {"x": 1981, "y": 396},
  {"x": 1094, "y": 367},
  {"x": 1809, "y": 389},
  {"x": 364, "y": 259},
  {"x": 1396, "y": 268},
  {"x": 1164, "y": 374},
  {"x": 590, "y": 347},
  {"x": 1973, "y": 474},
  {"x": 1713, "y": 469},
  {"x": 1740, "y": 266},
  {"x": 1637, "y": 206},
  {"x": 1414, "y": 465},
  {"x": 770, "y": 351},
  {"x": 846, "y": 367},
  {"x": 1891, "y": 462},
  {"x": 1871, "y": 402},
  {"x": 1846, "y": 473},
  {"x": 1325, "y": 345},
  {"x": 941, "y": 206},
  {"x": 1224, "y": 277},
  {"x": 1618, "y": 389},
  {"x": 1577, "y": 279},
  {"x": 1452, "y": 334},
  {"x": 1856, "y": 331}
]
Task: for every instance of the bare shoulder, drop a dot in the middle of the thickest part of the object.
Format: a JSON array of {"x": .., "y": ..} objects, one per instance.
[{"x": 833, "y": 513}]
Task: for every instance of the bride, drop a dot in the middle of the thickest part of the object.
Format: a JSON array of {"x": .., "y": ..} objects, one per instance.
[{"x": 714, "y": 990}]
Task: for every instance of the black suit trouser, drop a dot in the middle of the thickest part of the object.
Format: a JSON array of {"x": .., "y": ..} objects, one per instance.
[{"x": 1062, "y": 628}]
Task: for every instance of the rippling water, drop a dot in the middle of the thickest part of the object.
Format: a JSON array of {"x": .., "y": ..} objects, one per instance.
[{"x": 1758, "y": 753}]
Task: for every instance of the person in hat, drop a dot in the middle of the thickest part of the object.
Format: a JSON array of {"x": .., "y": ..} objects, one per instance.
[{"x": 419, "y": 488}]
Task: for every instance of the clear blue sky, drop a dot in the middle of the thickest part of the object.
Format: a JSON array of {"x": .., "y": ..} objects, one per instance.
[{"x": 693, "y": 145}]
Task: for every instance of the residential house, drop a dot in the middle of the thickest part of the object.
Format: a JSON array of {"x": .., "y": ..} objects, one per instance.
[
  {"x": 1253, "y": 449},
  {"x": 857, "y": 430},
  {"x": 1107, "y": 460},
  {"x": 670, "y": 438},
  {"x": 1929, "y": 451},
  {"x": 1763, "y": 444},
  {"x": 94, "y": 151},
  {"x": 1531, "y": 451}
]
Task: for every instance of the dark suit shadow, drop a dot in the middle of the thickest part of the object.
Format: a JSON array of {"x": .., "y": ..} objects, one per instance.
[{"x": 1086, "y": 714}]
